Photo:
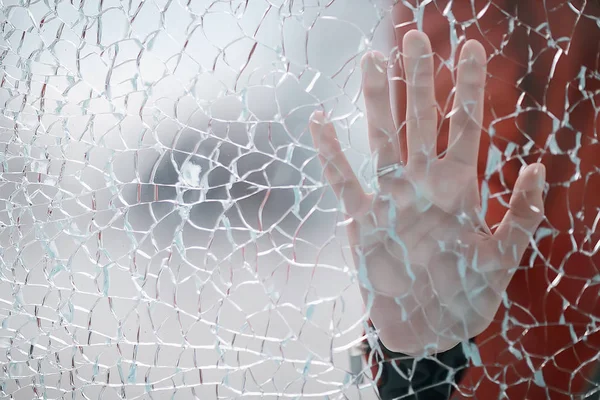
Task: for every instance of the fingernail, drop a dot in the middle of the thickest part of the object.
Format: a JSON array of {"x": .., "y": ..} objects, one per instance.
[
  {"x": 379, "y": 61},
  {"x": 375, "y": 77},
  {"x": 318, "y": 117},
  {"x": 374, "y": 63},
  {"x": 540, "y": 173},
  {"x": 414, "y": 43}
]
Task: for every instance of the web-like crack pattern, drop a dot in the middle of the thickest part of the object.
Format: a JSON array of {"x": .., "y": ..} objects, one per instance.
[{"x": 165, "y": 227}]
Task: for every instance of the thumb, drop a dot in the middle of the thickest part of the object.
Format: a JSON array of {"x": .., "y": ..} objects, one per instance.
[{"x": 525, "y": 214}]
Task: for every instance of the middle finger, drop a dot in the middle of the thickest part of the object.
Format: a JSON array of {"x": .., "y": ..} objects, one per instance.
[{"x": 421, "y": 111}]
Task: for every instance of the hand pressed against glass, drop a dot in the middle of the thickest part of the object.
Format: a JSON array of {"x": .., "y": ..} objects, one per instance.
[{"x": 432, "y": 271}]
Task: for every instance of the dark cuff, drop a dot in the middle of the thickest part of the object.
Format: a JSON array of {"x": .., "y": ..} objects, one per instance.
[{"x": 431, "y": 378}]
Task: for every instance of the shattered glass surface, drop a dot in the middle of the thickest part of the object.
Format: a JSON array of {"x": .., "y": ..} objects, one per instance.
[{"x": 165, "y": 228}]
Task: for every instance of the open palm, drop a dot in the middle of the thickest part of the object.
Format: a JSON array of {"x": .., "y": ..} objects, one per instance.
[{"x": 432, "y": 272}]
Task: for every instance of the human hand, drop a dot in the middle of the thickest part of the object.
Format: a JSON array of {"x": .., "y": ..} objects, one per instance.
[{"x": 432, "y": 272}]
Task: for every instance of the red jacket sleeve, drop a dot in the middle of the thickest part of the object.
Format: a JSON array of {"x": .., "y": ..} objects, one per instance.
[{"x": 540, "y": 105}]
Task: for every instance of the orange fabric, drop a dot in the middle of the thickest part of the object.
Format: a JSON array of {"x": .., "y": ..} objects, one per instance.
[{"x": 558, "y": 349}]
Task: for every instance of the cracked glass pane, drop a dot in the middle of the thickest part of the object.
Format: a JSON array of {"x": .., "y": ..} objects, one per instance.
[{"x": 276, "y": 198}]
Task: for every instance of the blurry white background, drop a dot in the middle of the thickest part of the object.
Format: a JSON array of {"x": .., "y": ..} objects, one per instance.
[{"x": 165, "y": 229}]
